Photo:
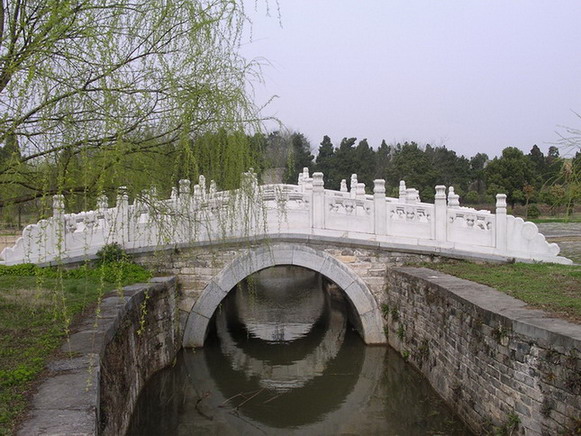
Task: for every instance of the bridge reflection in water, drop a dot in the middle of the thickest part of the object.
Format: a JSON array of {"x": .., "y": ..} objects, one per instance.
[{"x": 282, "y": 358}]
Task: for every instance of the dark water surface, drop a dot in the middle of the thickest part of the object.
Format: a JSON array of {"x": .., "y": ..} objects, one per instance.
[{"x": 283, "y": 359}]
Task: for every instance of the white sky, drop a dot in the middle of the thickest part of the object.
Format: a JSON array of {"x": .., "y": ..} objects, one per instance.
[{"x": 476, "y": 76}]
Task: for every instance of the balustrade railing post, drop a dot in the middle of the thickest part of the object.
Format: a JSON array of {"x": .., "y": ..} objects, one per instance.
[
  {"x": 501, "y": 240},
  {"x": 402, "y": 191},
  {"x": 184, "y": 206},
  {"x": 353, "y": 186},
  {"x": 453, "y": 198},
  {"x": 379, "y": 207},
  {"x": 318, "y": 203},
  {"x": 58, "y": 217},
  {"x": 184, "y": 189},
  {"x": 360, "y": 192},
  {"x": 121, "y": 235},
  {"x": 440, "y": 214},
  {"x": 102, "y": 203}
]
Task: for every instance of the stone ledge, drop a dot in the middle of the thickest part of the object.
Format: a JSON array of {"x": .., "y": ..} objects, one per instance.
[
  {"x": 539, "y": 325},
  {"x": 394, "y": 246},
  {"x": 68, "y": 401}
]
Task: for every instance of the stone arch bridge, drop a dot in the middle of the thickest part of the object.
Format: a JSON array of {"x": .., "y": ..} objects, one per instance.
[{"x": 214, "y": 239}]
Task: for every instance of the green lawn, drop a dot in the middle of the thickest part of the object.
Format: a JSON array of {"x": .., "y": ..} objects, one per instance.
[
  {"x": 552, "y": 287},
  {"x": 573, "y": 219},
  {"x": 37, "y": 307}
]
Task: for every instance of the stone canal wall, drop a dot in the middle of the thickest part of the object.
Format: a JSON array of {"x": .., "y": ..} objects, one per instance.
[
  {"x": 143, "y": 339},
  {"x": 488, "y": 355},
  {"x": 93, "y": 390}
]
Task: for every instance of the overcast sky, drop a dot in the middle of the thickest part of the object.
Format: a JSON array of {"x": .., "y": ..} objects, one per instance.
[{"x": 476, "y": 76}]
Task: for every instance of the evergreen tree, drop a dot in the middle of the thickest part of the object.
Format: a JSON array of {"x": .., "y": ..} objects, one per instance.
[
  {"x": 299, "y": 157},
  {"x": 477, "y": 176},
  {"x": 410, "y": 163},
  {"x": 538, "y": 159},
  {"x": 345, "y": 160},
  {"x": 325, "y": 163},
  {"x": 509, "y": 174},
  {"x": 364, "y": 164},
  {"x": 382, "y": 160},
  {"x": 449, "y": 169}
]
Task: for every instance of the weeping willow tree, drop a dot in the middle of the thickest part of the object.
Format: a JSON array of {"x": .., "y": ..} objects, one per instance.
[{"x": 97, "y": 94}]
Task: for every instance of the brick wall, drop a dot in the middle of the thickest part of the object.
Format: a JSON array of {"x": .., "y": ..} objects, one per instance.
[{"x": 487, "y": 354}]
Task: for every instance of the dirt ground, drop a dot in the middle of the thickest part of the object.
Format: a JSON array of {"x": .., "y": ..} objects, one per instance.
[
  {"x": 567, "y": 235},
  {"x": 8, "y": 240}
]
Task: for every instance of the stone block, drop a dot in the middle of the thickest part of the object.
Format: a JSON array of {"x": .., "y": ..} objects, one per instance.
[
  {"x": 337, "y": 273},
  {"x": 74, "y": 390},
  {"x": 209, "y": 300},
  {"x": 60, "y": 422},
  {"x": 186, "y": 303},
  {"x": 195, "y": 330},
  {"x": 308, "y": 259},
  {"x": 84, "y": 342}
]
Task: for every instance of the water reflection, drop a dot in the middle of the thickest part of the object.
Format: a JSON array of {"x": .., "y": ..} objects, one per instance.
[
  {"x": 279, "y": 304},
  {"x": 256, "y": 376}
]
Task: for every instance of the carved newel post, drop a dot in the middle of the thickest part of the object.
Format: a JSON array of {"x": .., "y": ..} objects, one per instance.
[
  {"x": 318, "y": 203},
  {"x": 453, "y": 198},
  {"x": 201, "y": 191},
  {"x": 380, "y": 207},
  {"x": 58, "y": 206},
  {"x": 183, "y": 227},
  {"x": 440, "y": 213},
  {"x": 501, "y": 243},
  {"x": 343, "y": 186},
  {"x": 402, "y": 191},
  {"x": 360, "y": 192},
  {"x": 102, "y": 203},
  {"x": 353, "y": 185},
  {"x": 121, "y": 225},
  {"x": 58, "y": 219},
  {"x": 184, "y": 188}
]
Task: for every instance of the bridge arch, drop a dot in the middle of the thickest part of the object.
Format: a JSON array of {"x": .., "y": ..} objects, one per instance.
[{"x": 255, "y": 259}]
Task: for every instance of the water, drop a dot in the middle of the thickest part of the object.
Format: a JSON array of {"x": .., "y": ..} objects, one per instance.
[{"x": 282, "y": 359}]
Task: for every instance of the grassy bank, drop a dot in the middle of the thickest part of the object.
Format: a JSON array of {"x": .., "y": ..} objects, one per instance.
[
  {"x": 37, "y": 307},
  {"x": 551, "y": 287}
]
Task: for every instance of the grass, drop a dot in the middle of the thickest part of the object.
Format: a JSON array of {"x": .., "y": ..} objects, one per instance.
[
  {"x": 574, "y": 219},
  {"x": 37, "y": 307},
  {"x": 551, "y": 287}
]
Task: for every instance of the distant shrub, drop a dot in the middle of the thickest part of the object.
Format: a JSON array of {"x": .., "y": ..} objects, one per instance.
[
  {"x": 121, "y": 272},
  {"x": 111, "y": 253},
  {"x": 533, "y": 211},
  {"x": 472, "y": 197}
]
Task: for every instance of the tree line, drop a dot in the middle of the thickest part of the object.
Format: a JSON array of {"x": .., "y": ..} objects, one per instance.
[{"x": 524, "y": 178}]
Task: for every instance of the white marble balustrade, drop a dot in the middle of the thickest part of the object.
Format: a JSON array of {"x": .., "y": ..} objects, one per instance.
[{"x": 203, "y": 214}]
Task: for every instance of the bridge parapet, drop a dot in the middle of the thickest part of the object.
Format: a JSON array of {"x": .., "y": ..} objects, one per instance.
[{"x": 205, "y": 215}]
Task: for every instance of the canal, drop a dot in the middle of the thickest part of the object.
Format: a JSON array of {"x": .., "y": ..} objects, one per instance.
[{"x": 282, "y": 357}]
